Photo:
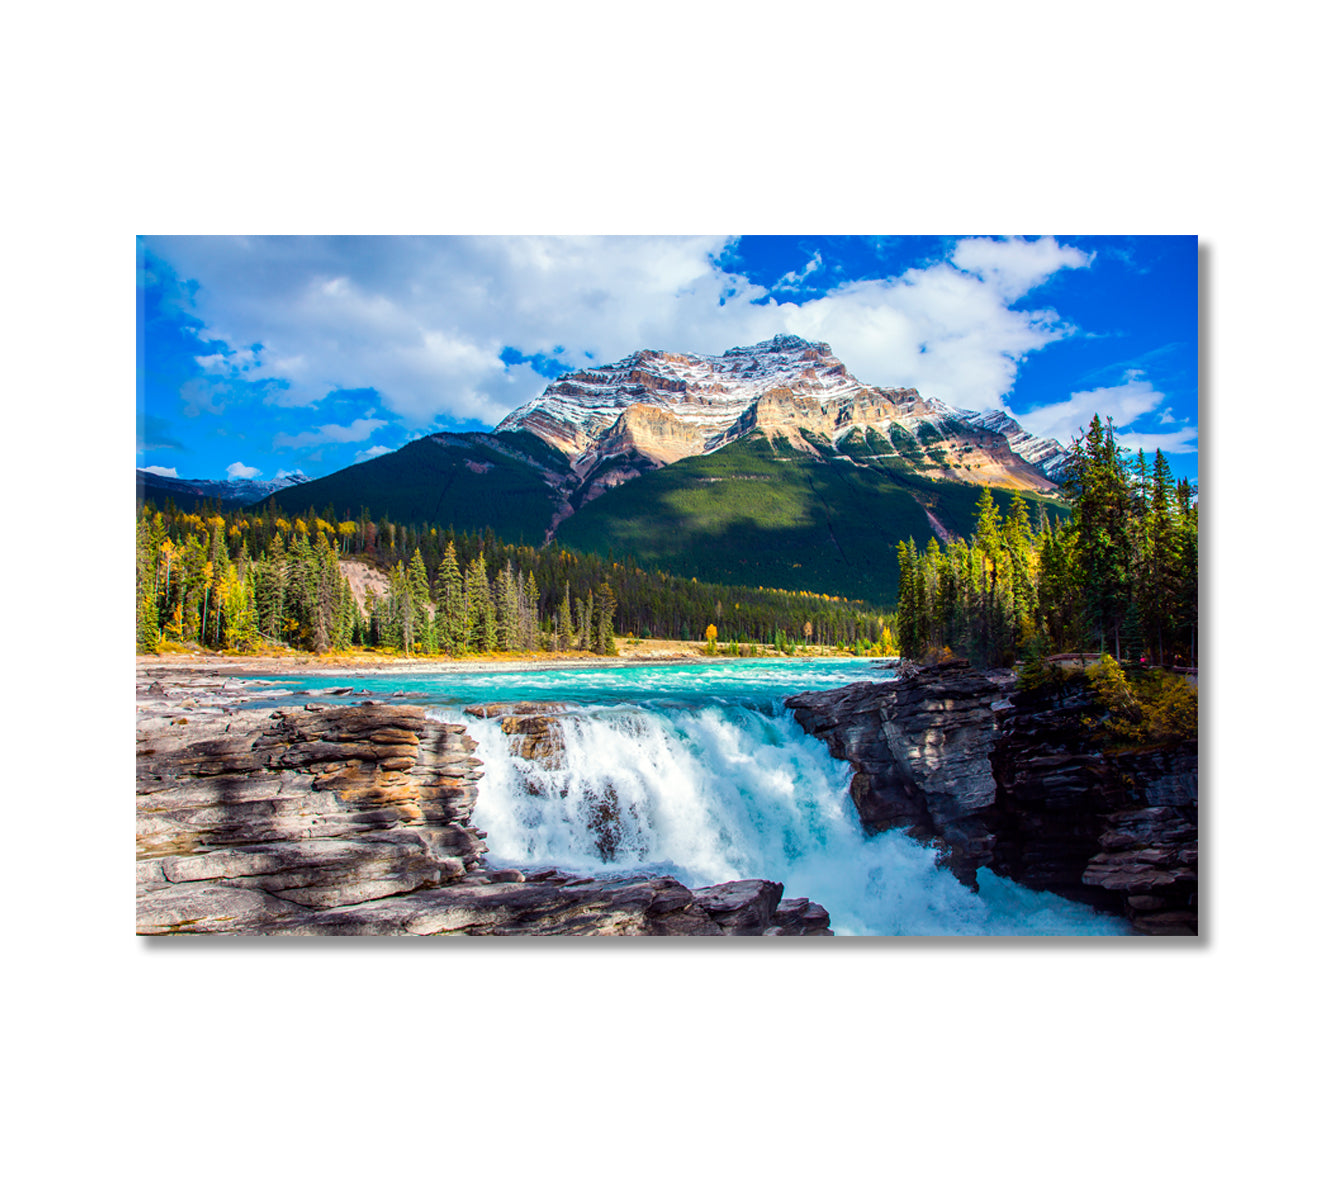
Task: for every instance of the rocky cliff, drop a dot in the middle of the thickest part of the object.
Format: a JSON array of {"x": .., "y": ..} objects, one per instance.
[
  {"x": 1022, "y": 783},
  {"x": 357, "y": 819}
]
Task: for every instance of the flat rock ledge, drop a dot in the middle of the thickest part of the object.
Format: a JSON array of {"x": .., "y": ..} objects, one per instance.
[{"x": 357, "y": 819}]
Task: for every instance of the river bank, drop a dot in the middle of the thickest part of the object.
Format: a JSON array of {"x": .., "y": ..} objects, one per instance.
[
  {"x": 358, "y": 819},
  {"x": 649, "y": 652},
  {"x": 176, "y": 686}
]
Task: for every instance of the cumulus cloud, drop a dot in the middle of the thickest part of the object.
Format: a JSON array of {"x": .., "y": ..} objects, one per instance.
[
  {"x": 1124, "y": 404},
  {"x": 356, "y": 431},
  {"x": 1132, "y": 400},
  {"x": 238, "y": 470},
  {"x": 949, "y": 329},
  {"x": 169, "y": 472},
  {"x": 1015, "y": 266},
  {"x": 424, "y": 320},
  {"x": 372, "y": 452}
]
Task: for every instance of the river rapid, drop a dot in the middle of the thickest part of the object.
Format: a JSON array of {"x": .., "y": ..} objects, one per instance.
[{"x": 698, "y": 771}]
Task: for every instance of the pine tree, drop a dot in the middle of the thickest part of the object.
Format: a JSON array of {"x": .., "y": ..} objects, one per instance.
[
  {"x": 1097, "y": 487},
  {"x": 606, "y": 610},
  {"x": 911, "y": 642},
  {"x": 507, "y": 609},
  {"x": 1185, "y": 598},
  {"x": 481, "y": 610},
  {"x": 565, "y": 622},
  {"x": 586, "y": 622},
  {"x": 452, "y": 604},
  {"x": 148, "y": 635},
  {"x": 1158, "y": 568},
  {"x": 241, "y": 614},
  {"x": 271, "y": 592},
  {"x": 531, "y": 616},
  {"x": 1017, "y": 537},
  {"x": 417, "y": 603},
  {"x": 396, "y": 620}
]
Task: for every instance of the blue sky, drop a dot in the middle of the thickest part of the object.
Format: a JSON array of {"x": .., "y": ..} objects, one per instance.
[{"x": 263, "y": 356}]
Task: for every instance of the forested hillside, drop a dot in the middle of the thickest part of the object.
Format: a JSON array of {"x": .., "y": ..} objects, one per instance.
[
  {"x": 716, "y": 546},
  {"x": 760, "y": 512},
  {"x": 504, "y": 482},
  {"x": 1121, "y": 576},
  {"x": 244, "y": 581},
  {"x": 764, "y": 512}
]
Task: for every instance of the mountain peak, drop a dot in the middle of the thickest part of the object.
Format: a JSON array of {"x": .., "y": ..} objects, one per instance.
[
  {"x": 655, "y": 407},
  {"x": 777, "y": 344}
]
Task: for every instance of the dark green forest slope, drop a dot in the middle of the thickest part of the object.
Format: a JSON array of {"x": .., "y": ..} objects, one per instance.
[
  {"x": 770, "y": 515},
  {"x": 755, "y": 513},
  {"x": 474, "y": 481}
]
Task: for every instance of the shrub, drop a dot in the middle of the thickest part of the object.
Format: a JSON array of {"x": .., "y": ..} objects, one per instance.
[{"x": 1155, "y": 706}]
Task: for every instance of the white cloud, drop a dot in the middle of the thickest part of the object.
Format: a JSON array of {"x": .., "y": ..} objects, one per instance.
[
  {"x": 1177, "y": 441},
  {"x": 1124, "y": 404},
  {"x": 372, "y": 452},
  {"x": 1013, "y": 265},
  {"x": 424, "y": 320},
  {"x": 238, "y": 470},
  {"x": 356, "y": 431},
  {"x": 169, "y": 472},
  {"x": 1134, "y": 399},
  {"x": 794, "y": 279}
]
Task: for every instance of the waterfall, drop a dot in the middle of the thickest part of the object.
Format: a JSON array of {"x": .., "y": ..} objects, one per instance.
[{"x": 711, "y": 792}]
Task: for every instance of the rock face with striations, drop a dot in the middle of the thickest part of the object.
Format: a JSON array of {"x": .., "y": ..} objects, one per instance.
[
  {"x": 1017, "y": 782},
  {"x": 357, "y": 819},
  {"x": 921, "y": 752}
]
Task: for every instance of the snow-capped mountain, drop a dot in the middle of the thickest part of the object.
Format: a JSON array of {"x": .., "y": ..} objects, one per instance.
[
  {"x": 655, "y": 407},
  {"x": 705, "y": 394},
  {"x": 233, "y": 491}
]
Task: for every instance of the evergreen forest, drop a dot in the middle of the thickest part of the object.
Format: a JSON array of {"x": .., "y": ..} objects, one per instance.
[
  {"x": 1119, "y": 577},
  {"x": 251, "y": 582}
]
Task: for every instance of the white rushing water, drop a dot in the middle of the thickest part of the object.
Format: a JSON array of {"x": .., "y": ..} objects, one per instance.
[{"x": 712, "y": 792}]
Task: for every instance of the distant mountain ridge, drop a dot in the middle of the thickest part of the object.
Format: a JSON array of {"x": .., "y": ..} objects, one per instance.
[
  {"x": 654, "y": 408},
  {"x": 234, "y": 491}
]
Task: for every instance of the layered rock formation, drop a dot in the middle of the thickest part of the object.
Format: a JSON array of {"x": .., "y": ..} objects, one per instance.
[
  {"x": 654, "y": 408},
  {"x": 1018, "y": 782},
  {"x": 1047, "y": 455},
  {"x": 357, "y": 819}
]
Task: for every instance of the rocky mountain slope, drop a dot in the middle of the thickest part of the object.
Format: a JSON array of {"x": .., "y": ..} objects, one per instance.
[{"x": 655, "y": 407}]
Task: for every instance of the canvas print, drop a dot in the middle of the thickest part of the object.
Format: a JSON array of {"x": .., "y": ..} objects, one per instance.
[{"x": 789, "y": 586}]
